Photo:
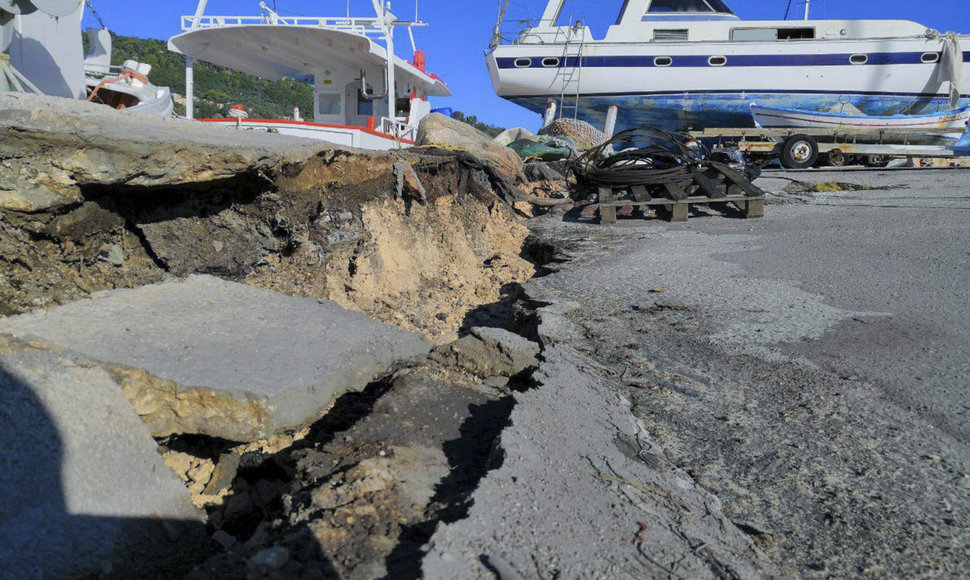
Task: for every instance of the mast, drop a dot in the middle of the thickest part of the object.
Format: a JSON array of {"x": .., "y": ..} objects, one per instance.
[
  {"x": 497, "y": 34},
  {"x": 808, "y": 4},
  {"x": 387, "y": 20}
]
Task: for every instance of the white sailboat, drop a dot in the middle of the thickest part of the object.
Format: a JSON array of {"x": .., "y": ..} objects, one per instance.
[
  {"x": 364, "y": 95},
  {"x": 694, "y": 64}
]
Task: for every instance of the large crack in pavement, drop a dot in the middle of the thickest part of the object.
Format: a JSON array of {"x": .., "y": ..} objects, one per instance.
[{"x": 666, "y": 422}]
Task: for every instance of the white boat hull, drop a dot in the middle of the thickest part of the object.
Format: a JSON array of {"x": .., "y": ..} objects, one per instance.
[
  {"x": 692, "y": 94},
  {"x": 769, "y": 117},
  {"x": 358, "y": 137}
]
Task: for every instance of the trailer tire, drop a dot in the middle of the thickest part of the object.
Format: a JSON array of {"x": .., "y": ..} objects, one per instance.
[
  {"x": 799, "y": 152},
  {"x": 837, "y": 158},
  {"x": 877, "y": 161}
]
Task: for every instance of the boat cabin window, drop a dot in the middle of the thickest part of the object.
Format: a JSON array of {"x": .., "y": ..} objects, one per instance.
[
  {"x": 329, "y": 104},
  {"x": 596, "y": 14},
  {"x": 658, "y": 7},
  {"x": 772, "y": 33}
]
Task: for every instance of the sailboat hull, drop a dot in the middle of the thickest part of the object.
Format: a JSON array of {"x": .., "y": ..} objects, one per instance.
[
  {"x": 698, "y": 85},
  {"x": 697, "y": 111}
]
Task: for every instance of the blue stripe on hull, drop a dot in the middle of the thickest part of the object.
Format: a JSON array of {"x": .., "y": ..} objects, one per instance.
[
  {"x": 699, "y": 111},
  {"x": 693, "y": 61}
]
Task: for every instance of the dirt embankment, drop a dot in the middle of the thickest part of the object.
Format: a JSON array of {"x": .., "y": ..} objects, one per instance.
[{"x": 418, "y": 241}]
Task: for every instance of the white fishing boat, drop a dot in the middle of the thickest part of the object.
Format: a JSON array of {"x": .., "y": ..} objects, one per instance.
[
  {"x": 774, "y": 117},
  {"x": 364, "y": 95},
  {"x": 694, "y": 64},
  {"x": 41, "y": 40}
]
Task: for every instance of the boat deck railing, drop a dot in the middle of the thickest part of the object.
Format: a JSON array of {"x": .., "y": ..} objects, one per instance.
[
  {"x": 398, "y": 129},
  {"x": 527, "y": 31},
  {"x": 361, "y": 26}
]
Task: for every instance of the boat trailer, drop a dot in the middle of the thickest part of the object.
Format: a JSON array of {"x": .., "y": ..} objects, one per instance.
[{"x": 802, "y": 148}]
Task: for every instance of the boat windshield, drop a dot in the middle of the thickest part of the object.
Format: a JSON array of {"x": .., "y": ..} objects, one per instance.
[{"x": 660, "y": 7}]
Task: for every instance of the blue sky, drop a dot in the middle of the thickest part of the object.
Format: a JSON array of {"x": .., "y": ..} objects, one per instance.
[{"x": 460, "y": 31}]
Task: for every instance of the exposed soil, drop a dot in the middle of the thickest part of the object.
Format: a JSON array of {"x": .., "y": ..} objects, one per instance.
[{"x": 418, "y": 242}]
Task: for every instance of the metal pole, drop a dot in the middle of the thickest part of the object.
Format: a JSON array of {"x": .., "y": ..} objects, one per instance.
[
  {"x": 199, "y": 10},
  {"x": 808, "y": 4},
  {"x": 391, "y": 92},
  {"x": 189, "y": 88}
]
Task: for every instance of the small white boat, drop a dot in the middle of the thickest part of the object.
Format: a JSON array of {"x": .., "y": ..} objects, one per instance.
[
  {"x": 780, "y": 117},
  {"x": 124, "y": 87}
]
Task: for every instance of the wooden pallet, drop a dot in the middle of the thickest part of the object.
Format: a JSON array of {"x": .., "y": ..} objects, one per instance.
[
  {"x": 728, "y": 189},
  {"x": 679, "y": 210}
]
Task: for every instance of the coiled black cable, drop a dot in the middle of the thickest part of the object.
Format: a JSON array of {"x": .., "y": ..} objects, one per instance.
[{"x": 650, "y": 156}]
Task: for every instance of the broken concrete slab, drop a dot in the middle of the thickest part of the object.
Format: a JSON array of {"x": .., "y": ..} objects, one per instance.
[
  {"x": 84, "y": 488},
  {"x": 211, "y": 357},
  {"x": 490, "y": 352},
  {"x": 52, "y": 148}
]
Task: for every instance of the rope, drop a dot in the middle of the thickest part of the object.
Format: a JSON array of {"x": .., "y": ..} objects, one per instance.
[
  {"x": 125, "y": 75},
  {"x": 95, "y": 14}
]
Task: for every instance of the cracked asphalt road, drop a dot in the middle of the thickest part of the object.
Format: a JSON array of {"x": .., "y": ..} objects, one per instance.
[{"x": 810, "y": 370}]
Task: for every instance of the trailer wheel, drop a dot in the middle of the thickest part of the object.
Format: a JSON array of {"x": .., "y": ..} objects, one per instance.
[
  {"x": 799, "y": 152},
  {"x": 837, "y": 158},
  {"x": 877, "y": 161}
]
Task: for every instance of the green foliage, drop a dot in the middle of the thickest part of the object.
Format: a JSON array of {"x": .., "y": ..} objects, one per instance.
[
  {"x": 216, "y": 88},
  {"x": 490, "y": 130}
]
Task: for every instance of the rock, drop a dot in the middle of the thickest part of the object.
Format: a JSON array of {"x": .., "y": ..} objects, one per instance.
[
  {"x": 113, "y": 255},
  {"x": 582, "y": 133},
  {"x": 185, "y": 244},
  {"x": 210, "y": 357},
  {"x": 269, "y": 559},
  {"x": 541, "y": 171},
  {"x": 223, "y": 475},
  {"x": 490, "y": 352},
  {"x": 224, "y": 539},
  {"x": 437, "y": 130},
  {"x": 84, "y": 486},
  {"x": 509, "y": 136}
]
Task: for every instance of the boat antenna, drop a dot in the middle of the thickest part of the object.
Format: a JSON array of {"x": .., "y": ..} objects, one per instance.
[
  {"x": 787, "y": 10},
  {"x": 96, "y": 15}
]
